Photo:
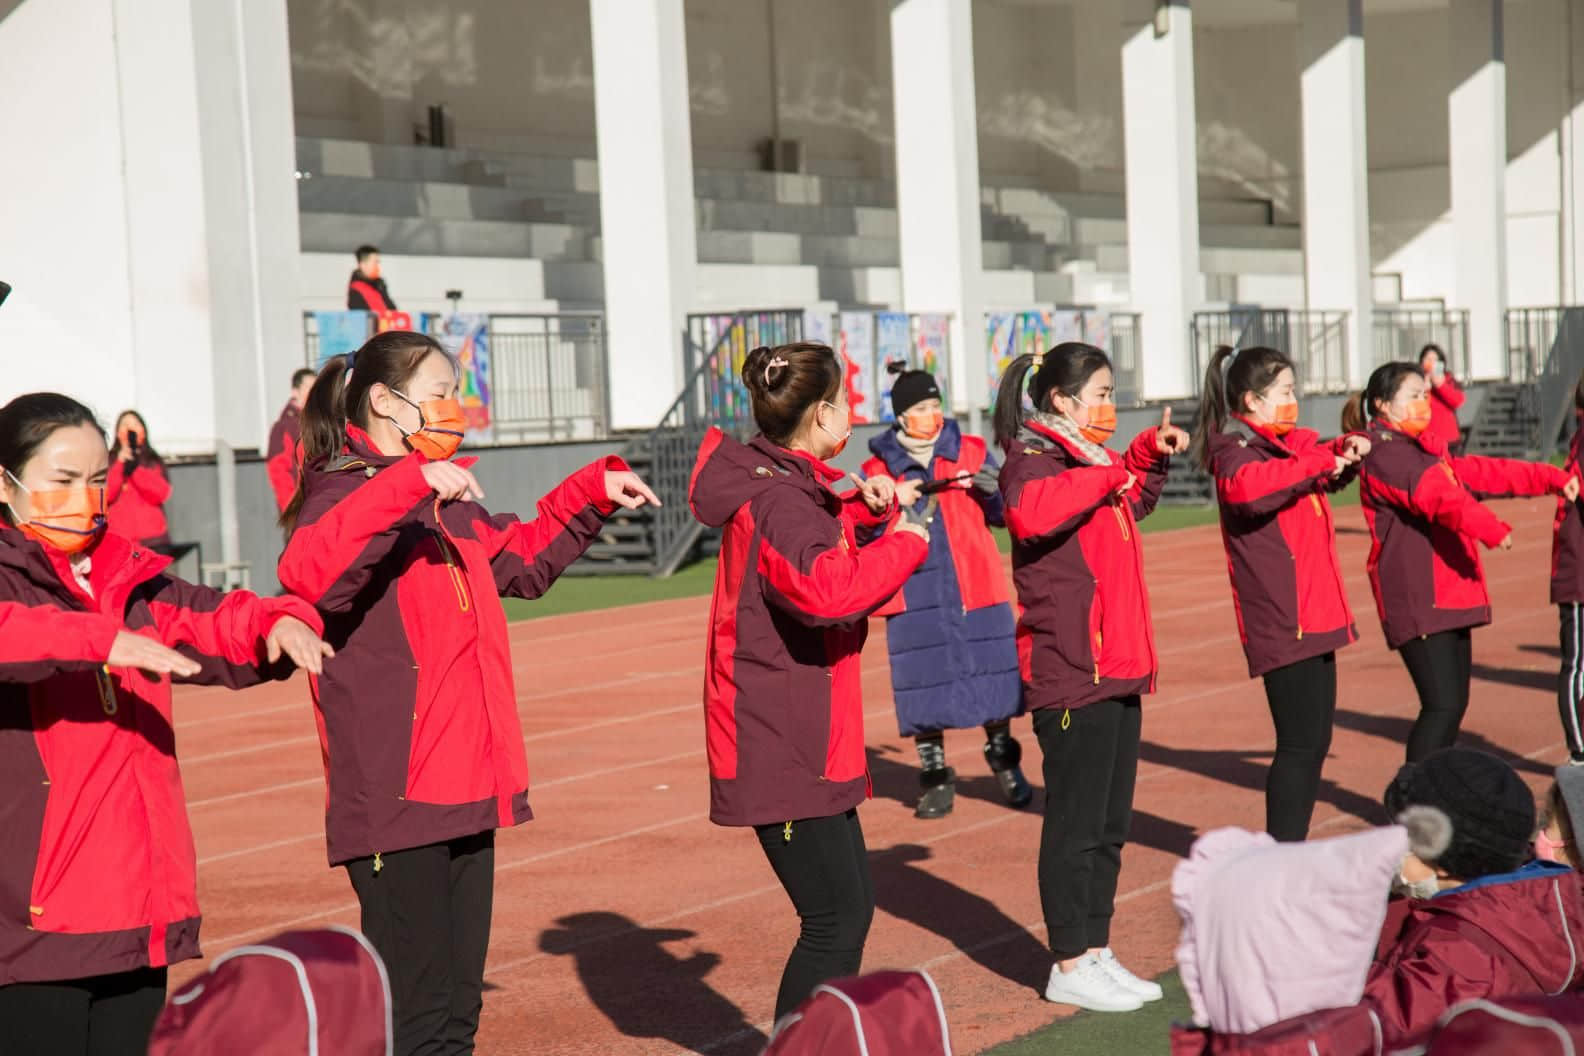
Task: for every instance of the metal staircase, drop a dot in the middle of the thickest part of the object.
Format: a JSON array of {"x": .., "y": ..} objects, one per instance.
[
  {"x": 1508, "y": 422},
  {"x": 656, "y": 542}
]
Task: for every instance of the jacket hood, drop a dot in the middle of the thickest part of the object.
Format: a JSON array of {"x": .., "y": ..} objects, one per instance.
[
  {"x": 1534, "y": 914},
  {"x": 730, "y": 474}
]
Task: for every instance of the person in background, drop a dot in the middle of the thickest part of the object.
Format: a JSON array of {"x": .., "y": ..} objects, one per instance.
[
  {"x": 1446, "y": 396},
  {"x": 98, "y": 882},
  {"x": 783, "y": 685},
  {"x": 1425, "y": 522},
  {"x": 950, "y": 629},
  {"x": 366, "y": 288},
  {"x": 1272, "y": 479},
  {"x": 1085, "y": 644},
  {"x": 1567, "y": 592},
  {"x": 137, "y": 488},
  {"x": 283, "y": 461}
]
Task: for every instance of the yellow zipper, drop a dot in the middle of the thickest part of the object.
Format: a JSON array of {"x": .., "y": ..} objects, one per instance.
[
  {"x": 378, "y": 863},
  {"x": 1121, "y": 519},
  {"x": 107, "y": 694},
  {"x": 458, "y": 581},
  {"x": 1099, "y": 641},
  {"x": 1315, "y": 499}
]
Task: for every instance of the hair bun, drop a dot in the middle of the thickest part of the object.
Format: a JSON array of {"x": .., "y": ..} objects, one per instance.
[{"x": 896, "y": 366}]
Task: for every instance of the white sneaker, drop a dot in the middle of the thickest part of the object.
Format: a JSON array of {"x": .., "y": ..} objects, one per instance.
[
  {"x": 1142, "y": 989},
  {"x": 1089, "y": 986}
]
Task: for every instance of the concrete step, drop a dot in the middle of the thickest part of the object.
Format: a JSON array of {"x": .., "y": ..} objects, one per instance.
[
  {"x": 345, "y": 157},
  {"x": 419, "y": 283},
  {"x": 420, "y": 236}
]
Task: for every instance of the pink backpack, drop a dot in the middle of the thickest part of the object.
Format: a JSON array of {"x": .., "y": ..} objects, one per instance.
[
  {"x": 317, "y": 993},
  {"x": 1533, "y": 1026},
  {"x": 882, "y": 1014}
]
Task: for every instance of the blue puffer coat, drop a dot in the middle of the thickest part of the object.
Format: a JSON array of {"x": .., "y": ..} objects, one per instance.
[{"x": 951, "y": 631}]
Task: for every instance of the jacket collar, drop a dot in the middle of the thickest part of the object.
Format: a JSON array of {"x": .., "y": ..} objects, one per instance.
[
  {"x": 1032, "y": 432},
  {"x": 888, "y": 448},
  {"x": 1385, "y": 430},
  {"x": 813, "y": 468},
  {"x": 118, "y": 565},
  {"x": 1240, "y": 428},
  {"x": 1526, "y": 872}
]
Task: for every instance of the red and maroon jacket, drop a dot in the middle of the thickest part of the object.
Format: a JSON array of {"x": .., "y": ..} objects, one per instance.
[
  {"x": 1078, "y": 564},
  {"x": 97, "y": 870},
  {"x": 417, "y": 711},
  {"x": 1424, "y": 520},
  {"x": 368, "y": 295},
  {"x": 284, "y": 457},
  {"x": 1504, "y": 936},
  {"x": 135, "y": 494},
  {"x": 1280, "y": 542},
  {"x": 1445, "y": 399},
  {"x": 783, "y": 707},
  {"x": 1567, "y": 535}
]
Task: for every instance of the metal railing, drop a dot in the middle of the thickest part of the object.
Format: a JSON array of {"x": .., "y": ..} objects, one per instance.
[
  {"x": 1545, "y": 350},
  {"x": 1124, "y": 342},
  {"x": 547, "y": 373},
  {"x": 1316, "y": 342},
  {"x": 1400, "y": 335}
]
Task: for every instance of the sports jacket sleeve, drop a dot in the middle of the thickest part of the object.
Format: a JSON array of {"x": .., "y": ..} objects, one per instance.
[
  {"x": 151, "y": 482},
  {"x": 527, "y": 557},
  {"x": 986, "y": 491},
  {"x": 1418, "y": 982},
  {"x": 224, "y": 632},
  {"x": 1046, "y": 504},
  {"x": 1254, "y": 486},
  {"x": 40, "y": 641},
  {"x": 1440, "y": 497},
  {"x": 1449, "y": 392},
  {"x": 1502, "y": 477},
  {"x": 1145, "y": 461},
  {"x": 808, "y": 571},
  {"x": 340, "y": 541}
]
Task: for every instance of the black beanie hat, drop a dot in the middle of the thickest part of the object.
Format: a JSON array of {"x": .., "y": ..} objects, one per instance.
[
  {"x": 910, "y": 387},
  {"x": 1491, "y": 809}
]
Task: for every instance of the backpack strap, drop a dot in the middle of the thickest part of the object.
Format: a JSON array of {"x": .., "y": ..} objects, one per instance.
[{"x": 1487, "y": 942}]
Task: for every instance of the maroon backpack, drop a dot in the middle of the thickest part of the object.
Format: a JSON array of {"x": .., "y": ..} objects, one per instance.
[
  {"x": 317, "y": 993},
  {"x": 1532, "y": 1026},
  {"x": 882, "y": 1014}
]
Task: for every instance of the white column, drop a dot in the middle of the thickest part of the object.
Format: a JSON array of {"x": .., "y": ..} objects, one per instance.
[
  {"x": 1336, "y": 171},
  {"x": 1162, "y": 193},
  {"x": 1572, "y": 143},
  {"x": 1477, "y": 121},
  {"x": 154, "y": 251},
  {"x": 646, "y": 200},
  {"x": 937, "y": 165}
]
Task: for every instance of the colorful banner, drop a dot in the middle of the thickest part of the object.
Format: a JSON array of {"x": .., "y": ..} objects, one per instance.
[
  {"x": 340, "y": 334},
  {"x": 1011, "y": 334},
  {"x": 857, "y": 350},
  {"x": 394, "y": 321},
  {"x": 932, "y": 352},
  {"x": 893, "y": 344},
  {"x": 820, "y": 327},
  {"x": 466, "y": 337}
]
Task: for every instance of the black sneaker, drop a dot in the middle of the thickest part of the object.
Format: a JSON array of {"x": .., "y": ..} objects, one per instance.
[
  {"x": 1015, "y": 787},
  {"x": 940, "y": 793}
]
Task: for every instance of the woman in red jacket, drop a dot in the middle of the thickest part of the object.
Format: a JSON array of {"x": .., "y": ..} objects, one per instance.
[
  {"x": 137, "y": 487},
  {"x": 98, "y": 878},
  {"x": 1567, "y": 591},
  {"x": 1292, "y": 609},
  {"x": 1424, "y": 523},
  {"x": 417, "y": 712},
  {"x": 1084, "y": 642},
  {"x": 783, "y": 708},
  {"x": 1446, "y": 396}
]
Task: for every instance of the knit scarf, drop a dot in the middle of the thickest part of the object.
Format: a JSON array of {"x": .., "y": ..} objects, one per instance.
[
  {"x": 921, "y": 451},
  {"x": 1064, "y": 427}
]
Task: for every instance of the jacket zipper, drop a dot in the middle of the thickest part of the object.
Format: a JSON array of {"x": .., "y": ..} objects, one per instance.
[
  {"x": 458, "y": 581},
  {"x": 107, "y": 693}
]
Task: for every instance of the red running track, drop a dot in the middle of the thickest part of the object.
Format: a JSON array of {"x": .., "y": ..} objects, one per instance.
[{"x": 626, "y": 923}]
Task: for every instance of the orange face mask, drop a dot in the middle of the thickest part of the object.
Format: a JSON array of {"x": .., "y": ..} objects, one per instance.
[
  {"x": 923, "y": 425},
  {"x": 1418, "y": 418},
  {"x": 1102, "y": 423},
  {"x": 1285, "y": 419},
  {"x": 67, "y": 519},
  {"x": 442, "y": 430}
]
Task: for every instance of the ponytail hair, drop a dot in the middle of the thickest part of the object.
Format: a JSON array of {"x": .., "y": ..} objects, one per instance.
[
  {"x": 1066, "y": 368},
  {"x": 1354, "y": 420},
  {"x": 1226, "y": 388},
  {"x": 340, "y": 397}
]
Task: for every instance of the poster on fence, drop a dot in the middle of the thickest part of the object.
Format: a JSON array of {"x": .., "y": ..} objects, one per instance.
[
  {"x": 1097, "y": 331},
  {"x": 1066, "y": 325},
  {"x": 932, "y": 351},
  {"x": 1011, "y": 334},
  {"x": 394, "y": 321},
  {"x": 893, "y": 343},
  {"x": 821, "y": 327},
  {"x": 857, "y": 350},
  {"x": 340, "y": 334},
  {"x": 466, "y": 337}
]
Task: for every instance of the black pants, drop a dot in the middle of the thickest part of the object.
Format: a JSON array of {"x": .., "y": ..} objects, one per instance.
[
  {"x": 1570, "y": 682},
  {"x": 427, "y": 912},
  {"x": 105, "y": 1015},
  {"x": 1089, "y": 770},
  {"x": 1440, "y": 665},
  {"x": 1302, "y": 699},
  {"x": 824, "y": 866}
]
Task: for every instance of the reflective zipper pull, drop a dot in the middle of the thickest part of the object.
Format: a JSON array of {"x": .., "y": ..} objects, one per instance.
[
  {"x": 378, "y": 863},
  {"x": 786, "y": 833},
  {"x": 1066, "y": 718}
]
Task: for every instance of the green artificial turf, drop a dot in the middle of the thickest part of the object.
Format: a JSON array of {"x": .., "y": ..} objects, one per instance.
[{"x": 1146, "y": 1032}]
